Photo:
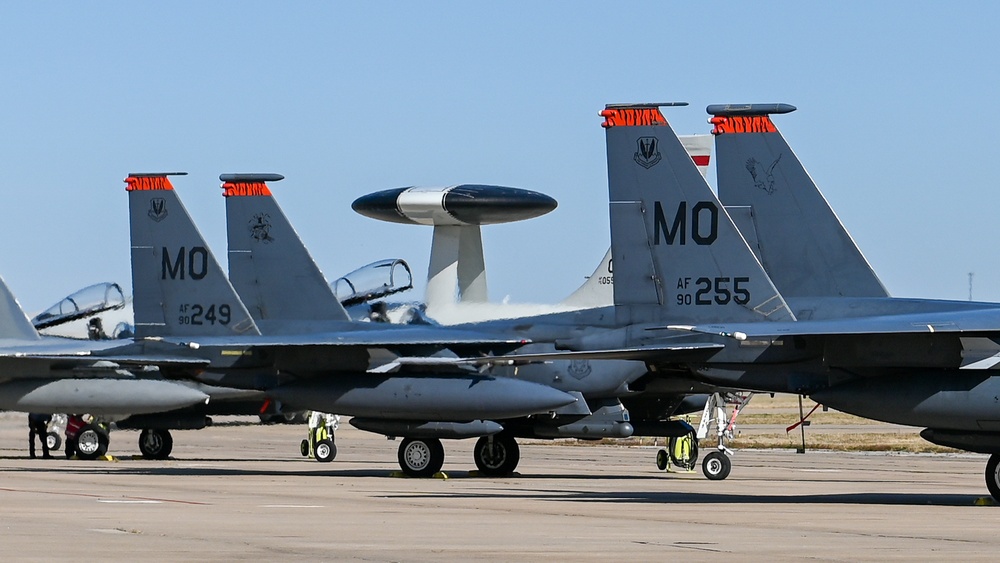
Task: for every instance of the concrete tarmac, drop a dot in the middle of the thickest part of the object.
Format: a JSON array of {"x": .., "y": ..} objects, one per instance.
[{"x": 242, "y": 491}]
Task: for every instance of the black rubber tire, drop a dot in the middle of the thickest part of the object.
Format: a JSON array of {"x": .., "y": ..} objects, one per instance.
[
  {"x": 661, "y": 460},
  {"x": 304, "y": 448},
  {"x": 420, "y": 457},
  {"x": 155, "y": 443},
  {"x": 501, "y": 459},
  {"x": 92, "y": 442},
  {"x": 993, "y": 476},
  {"x": 325, "y": 451},
  {"x": 716, "y": 466},
  {"x": 54, "y": 441}
]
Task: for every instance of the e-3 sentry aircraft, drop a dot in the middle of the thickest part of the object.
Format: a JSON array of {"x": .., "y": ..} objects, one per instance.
[
  {"x": 324, "y": 362},
  {"x": 685, "y": 273}
]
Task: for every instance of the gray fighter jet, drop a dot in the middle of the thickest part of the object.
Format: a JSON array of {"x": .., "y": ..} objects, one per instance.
[
  {"x": 111, "y": 379},
  {"x": 277, "y": 277},
  {"x": 685, "y": 273},
  {"x": 322, "y": 362}
]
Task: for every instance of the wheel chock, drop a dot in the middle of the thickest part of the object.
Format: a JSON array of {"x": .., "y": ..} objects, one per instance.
[
  {"x": 439, "y": 475},
  {"x": 985, "y": 501}
]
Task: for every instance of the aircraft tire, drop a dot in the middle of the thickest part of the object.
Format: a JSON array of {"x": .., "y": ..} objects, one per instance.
[
  {"x": 92, "y": 442},
  {"x": 304, "y": 448},
  {"x": 661, "y": 460},
  {"x": 993, "y": 476},
  {"x": 54, "y": 441},
  {"x": 716, "y": 466},
  {"x": 325, "y": 451},
  {"x": 421, "y": 457},
  {"x": 501, "y": 459},
  {"x": 155, "y": 443}
]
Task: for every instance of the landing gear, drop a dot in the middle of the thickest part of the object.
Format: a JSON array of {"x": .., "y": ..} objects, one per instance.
[
  {"x": 496, "y": 456},
  {"x": 155, "y": 443},
  {"x": 92, "y": 442},
  {"x": 716, "y": 465},
  {"x": 681, "y": 452},
  {"x": 321, "y": 441},
  {"x": 325, "y": 450},
  {"x": 421, "y": 457},
  {"x": 993, "y": 476}
]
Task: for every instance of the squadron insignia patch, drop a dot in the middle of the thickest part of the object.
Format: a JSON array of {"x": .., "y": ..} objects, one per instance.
[
  {"x": 157, "y": 209},
  {"x": 260, "y": 228},
  {"x": 647, "y": 154}
]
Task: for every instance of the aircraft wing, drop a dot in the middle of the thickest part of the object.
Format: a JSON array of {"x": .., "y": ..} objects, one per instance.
[
  {"x": 638, "y": 353},
  {"x": 46, "y": 366},
  {"x": 412, "y": 336},
  {"x": 977, "y": 320},
  {"x": 165, "y": 361}
]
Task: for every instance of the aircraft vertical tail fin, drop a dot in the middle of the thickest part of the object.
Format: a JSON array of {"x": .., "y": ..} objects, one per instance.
[
  {"x": 14, "y": 323},
  {"x": 269, "y": 265},
  {"x": 678, "y": 257},
  {"x": 801, "y": 241},
  {"x": 178, "y": 286},
  {"x": 598, "y": 290}
]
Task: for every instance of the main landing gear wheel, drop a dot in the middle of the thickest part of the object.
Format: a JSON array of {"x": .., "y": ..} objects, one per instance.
[
  {"x": 155, "y": 443},
  {"x": 716, "y": 466},
  {"x": 421, "y": 457},
  {"x": 993, "y": 476},
  {"x": 325, "y": 451},
  {"x": 92, "y": 442},
  {"x": 53, "y": 440},
  {"x": 496, "y": 456}
]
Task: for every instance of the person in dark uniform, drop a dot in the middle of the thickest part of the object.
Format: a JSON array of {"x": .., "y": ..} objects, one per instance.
[
  {"x": 74, "y": 423},
  {"x": 95, "y": 329},
  {"x": 38, "y": 425}
]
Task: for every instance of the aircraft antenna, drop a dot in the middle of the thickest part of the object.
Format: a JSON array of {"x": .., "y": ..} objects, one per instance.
[{"x": 970, "y": 284}]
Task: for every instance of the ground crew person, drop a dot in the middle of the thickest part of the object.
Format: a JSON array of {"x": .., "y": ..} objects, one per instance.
[
  {"x": 74, "y": 424},
  {"x": 38, "y": 425}
]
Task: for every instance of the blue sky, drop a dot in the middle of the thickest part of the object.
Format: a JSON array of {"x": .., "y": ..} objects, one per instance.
[{"x": 895, "y": 122}]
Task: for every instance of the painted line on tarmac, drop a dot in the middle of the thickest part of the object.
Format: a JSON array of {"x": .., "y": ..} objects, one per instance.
[
  {"x": 128, "y": 501},
  {"x": 291, "y": 506},
  {"x": 99, "y": 497}
]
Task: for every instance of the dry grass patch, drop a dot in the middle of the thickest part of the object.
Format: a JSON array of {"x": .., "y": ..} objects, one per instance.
[{"x": 842, "y": 442}]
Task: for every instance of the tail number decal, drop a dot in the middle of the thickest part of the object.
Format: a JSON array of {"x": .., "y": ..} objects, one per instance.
[
  {"x": 718, "y": 291},
  {"x": 195, "y": 314},
  {"x": 195, "y": 261},
  {"x": 704, "y": 223}
]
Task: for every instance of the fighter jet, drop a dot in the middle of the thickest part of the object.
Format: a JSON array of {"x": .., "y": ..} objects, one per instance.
[
  {"x": 324, "y": 362},
  {"x": 278, "y": 277},
  {"x": 112, "y": 379},
  {"x": 684, "y": 272}
]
